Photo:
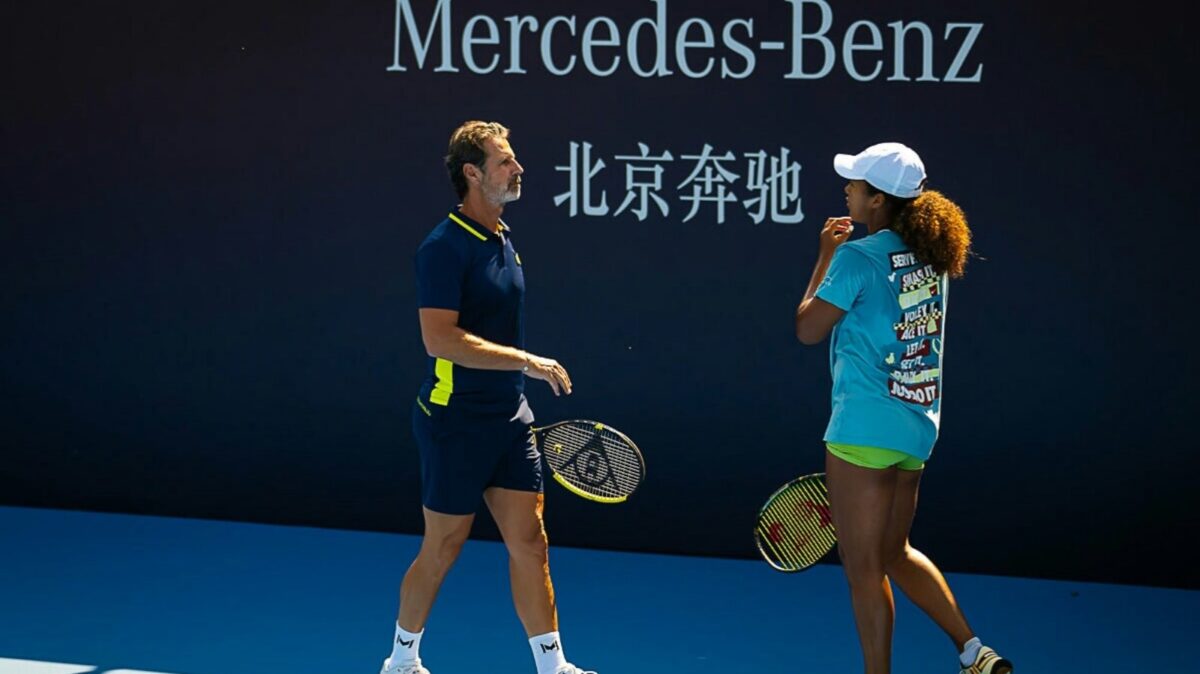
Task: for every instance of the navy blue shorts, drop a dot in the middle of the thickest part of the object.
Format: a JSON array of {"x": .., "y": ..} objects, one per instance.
[{"x": 462, "y": 454}]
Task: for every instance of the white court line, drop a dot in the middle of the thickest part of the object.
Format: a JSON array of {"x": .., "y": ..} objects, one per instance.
[
  {"x": 9, "y": 666},
  {"x": 12, "y": 666}
]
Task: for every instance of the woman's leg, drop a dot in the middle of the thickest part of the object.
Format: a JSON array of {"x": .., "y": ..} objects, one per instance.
[
  {"x": 916, "y": 575},
  {"x": 861, "y": 501}
]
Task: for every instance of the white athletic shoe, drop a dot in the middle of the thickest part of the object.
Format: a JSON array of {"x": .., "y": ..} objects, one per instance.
[
  {"x": 988, "y": 662},
  {"x": 572, "y": 669},
  {"x": 410, "y": 668}
]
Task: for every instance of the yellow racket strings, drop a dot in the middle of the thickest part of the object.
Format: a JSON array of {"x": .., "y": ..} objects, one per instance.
[{"x": 802, "y": 511}]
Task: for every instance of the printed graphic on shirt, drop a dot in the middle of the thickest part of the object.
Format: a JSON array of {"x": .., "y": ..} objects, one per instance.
[
  {"x": 918, "y": 349},
  {"x": 915, "y": 372},
  {"x": 914, "y": 355},
  {"x": 902, "y": 259},
  {"x": 925, "y": 319},
  {"x": 920, "y": 375},
  {"x": 918, "y": 286},
  {"x": 921, "y": 395}
]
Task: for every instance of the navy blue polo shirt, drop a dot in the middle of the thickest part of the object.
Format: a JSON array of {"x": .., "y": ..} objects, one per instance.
[{"x": 465, "y": 267}]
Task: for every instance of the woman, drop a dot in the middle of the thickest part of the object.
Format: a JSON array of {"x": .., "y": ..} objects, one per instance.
[{"x": 884, "y": 299}]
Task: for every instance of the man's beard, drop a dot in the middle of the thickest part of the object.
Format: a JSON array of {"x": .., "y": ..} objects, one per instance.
[{"x": 502, "y": 196}]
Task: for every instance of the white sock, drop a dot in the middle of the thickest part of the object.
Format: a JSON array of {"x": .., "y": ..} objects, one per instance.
[
  {"x": 406, "y": 646},
  {"x": 547, "y": 652},
  {"x": 970, "y": 652}
]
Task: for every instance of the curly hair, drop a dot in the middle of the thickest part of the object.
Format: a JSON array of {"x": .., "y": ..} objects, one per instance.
[
  {"x": 467, "y": 147},
  {"x": 934, "y": 228}
]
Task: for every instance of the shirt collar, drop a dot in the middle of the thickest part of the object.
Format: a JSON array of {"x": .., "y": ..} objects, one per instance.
[{"x": 477, "y": 230}]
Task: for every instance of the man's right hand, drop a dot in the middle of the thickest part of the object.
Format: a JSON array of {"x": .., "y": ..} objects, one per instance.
[{"x": 549, "y": 371}]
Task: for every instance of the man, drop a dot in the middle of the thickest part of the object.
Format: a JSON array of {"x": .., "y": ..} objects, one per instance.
[{"x": 471, "y": 420}]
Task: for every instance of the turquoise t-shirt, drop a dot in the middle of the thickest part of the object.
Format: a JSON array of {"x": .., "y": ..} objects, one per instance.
[{"x": 886, "y": 352}]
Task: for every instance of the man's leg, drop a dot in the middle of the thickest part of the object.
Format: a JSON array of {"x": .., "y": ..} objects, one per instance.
[
  {"x": 443, "y": 539},
  {"x": 518, "y": 515},
  {"x": 515, "y": 501}
]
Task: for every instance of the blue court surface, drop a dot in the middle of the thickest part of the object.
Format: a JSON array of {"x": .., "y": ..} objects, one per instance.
[{"x": 121, "y": 594}]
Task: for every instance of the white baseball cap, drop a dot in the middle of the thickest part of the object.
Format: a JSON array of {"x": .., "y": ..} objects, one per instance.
[{"x": 892, "y": 167}]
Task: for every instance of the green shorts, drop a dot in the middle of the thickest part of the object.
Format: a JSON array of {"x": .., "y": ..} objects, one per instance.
[{"x": 874, "y": 457}]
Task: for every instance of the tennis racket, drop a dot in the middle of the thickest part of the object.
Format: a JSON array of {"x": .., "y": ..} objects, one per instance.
[
  {"x": 795, "y": 527},
  {"x": 592, "y": 460}
]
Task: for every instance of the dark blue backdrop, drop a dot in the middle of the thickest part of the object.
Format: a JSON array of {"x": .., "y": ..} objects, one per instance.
[{"x": 210, "y": 211}]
